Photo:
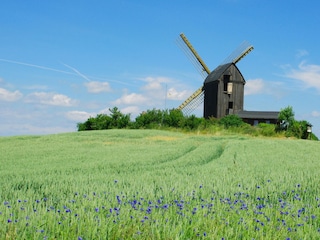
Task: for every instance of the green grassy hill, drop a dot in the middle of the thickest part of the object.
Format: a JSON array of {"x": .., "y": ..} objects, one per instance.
[{"x": 150, "y": 184}]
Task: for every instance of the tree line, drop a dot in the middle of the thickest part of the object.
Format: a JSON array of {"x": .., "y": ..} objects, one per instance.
[{"x": 174, "y": 118}]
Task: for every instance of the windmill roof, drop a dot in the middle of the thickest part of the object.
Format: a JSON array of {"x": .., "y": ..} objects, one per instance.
[
  {"x": 258, "y": 114},
  {"x": 216, "y": 73}
]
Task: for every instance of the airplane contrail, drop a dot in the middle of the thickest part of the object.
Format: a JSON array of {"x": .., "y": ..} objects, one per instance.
[
  {"x": 77, "y": 72},
  {"x": 36, "y": 66}
]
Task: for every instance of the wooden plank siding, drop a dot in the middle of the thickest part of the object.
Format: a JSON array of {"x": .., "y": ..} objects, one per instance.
[{"x": 218, "y": 102}]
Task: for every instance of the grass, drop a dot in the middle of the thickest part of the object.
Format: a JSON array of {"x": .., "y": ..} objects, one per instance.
[{"x": 149, "y": 184}]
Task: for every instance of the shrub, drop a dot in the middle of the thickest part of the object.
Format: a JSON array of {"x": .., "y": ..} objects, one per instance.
[
  {"x": 231, "y": 121},
  {"x": 103, "y": 121},
  {"x": 192, "y": 122},
  {"x": 149, "y": 118},
  {"x": 267, "y": 129},
  {"x": 174, "y": 118}
]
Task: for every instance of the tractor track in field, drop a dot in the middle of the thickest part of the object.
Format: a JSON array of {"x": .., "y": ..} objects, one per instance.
[{"x": 196, "y": 156}]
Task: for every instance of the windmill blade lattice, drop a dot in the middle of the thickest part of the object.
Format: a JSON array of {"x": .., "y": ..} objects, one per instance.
[
  {"x": 193, "y": 56},
  {"x": 193, "y": 104},
  {"x": 191, "y": 100},
  {"x": 239, "y": 53}
]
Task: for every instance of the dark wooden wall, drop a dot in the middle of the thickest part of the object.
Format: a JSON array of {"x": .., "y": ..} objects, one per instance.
[{"x": 217, "y": 101}]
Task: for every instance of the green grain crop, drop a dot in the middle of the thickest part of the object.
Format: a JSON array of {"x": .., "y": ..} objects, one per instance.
[{"x": 149, "y": 184}]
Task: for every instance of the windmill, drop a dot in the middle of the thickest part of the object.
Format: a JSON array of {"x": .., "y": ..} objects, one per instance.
[{"x": 222, "y": 92}]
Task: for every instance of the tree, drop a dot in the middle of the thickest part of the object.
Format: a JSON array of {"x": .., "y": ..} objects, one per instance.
[
  {"x": 174, "y": 118},
  {"x": 119, "y": 120},
  {"x": 286, "y": 118},
  {"x": 150, "y": 118}
]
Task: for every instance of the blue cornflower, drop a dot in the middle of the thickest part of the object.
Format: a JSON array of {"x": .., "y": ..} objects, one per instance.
[
  {"x": 79, "y": 238},
  {"x": 96, "y": 209},
  {"x": 9, "y": 220},
  {"x": 149, "y": 210}
]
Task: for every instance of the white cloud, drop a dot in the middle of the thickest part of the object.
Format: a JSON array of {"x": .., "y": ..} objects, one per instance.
[
  {"x": 132, "y": 98},
  {"x": 78, "y": 115},
  {"x": 97, "y": 87},
  {"x": 301, "y": 53},
  {"x": 37, "y": 87},
  {"x": 173, "y": 94},
  {"x": 155, "y": 83},
  {"x": 133, "y": 110},
  {"x": 8, "y": 96},
  {"x": 50, "y": 99},
  {"x": 151, "y": 86},
  {"x": 34, "y": 129},
  {"x": 315, "y": 114},
  {"x": 308, "y": 74},
  {"x": 254, "y": 86}
]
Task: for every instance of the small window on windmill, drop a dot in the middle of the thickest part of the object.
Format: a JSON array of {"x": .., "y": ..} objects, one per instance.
[
  {"x": 229, "y": 88},
  {"x": 230, "y": 108},
  {"x": 230, "y": 105},
  {"x": 226, "y": 80}
]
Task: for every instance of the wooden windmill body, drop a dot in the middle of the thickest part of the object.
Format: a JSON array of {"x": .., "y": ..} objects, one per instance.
[{"x": 222, "y": 92}]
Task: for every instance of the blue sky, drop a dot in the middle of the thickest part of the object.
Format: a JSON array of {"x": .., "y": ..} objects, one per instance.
[{"x": 63, "y": 61}]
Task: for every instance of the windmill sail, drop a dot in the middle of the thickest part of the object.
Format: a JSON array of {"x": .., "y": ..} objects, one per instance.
[
  {"x": 191, "y": 98},
  {"x": 197, "y": 98},
  {"x": 193, "y": 56},
  {"x": 239, "y": 53},
  {"x": 192, "y": 102}
]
